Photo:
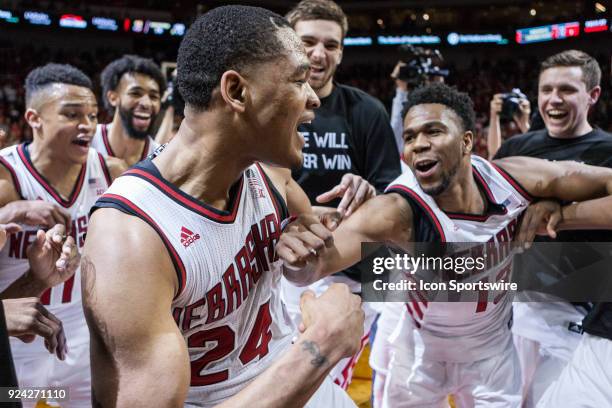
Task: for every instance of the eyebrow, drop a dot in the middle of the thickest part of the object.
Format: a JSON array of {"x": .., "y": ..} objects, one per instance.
[
  {"x": 140, "y": 88},
  {"x": 426, "y": 125},
  {"x": 325, "y": 40}
]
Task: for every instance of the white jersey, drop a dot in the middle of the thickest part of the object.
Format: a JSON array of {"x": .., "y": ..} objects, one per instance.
[
  {"x": 467, "y": 330},
  {"x": 228, "y": 306},
  {"x": 64, "y": 300},
  {"x": 101, "y": 143}
]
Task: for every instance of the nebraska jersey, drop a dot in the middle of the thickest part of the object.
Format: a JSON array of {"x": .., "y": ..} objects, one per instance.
[
  {"x": 64, "y": 300},
  {"x": 101, "y": 143},
  {"x": 470, "y": 329},
  {"x": 228, "y": 306}
]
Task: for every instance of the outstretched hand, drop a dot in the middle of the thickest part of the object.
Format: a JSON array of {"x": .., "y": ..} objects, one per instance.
[
  {"x": 354, "y": 191},
  {"x": 53, "y": 257}
]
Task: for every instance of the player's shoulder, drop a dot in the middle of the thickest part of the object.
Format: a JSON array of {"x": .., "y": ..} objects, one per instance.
[{"x": 9, "y": 184}]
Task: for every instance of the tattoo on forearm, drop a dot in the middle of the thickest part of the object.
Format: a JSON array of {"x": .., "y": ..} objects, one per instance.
[{"x": 318, "y": 359}]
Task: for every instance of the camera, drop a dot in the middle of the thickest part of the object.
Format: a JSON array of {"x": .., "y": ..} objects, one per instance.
[
  {"x": 510, "y": 103},
  {"x": 421, "y": 65}
]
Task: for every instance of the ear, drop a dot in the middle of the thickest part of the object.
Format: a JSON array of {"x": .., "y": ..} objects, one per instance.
[
  {"x": 594, "y": 95},
  {"x": 113, "y": 98},
  {"x": 33, "y": 118},
  {"x": 234, "y": 90},
  {"x": 467, "y": 145},
  {"x": 340, "y": 56}
]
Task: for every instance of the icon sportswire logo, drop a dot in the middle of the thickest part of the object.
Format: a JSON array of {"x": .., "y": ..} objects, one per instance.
[{"x": 188, "y": 237}]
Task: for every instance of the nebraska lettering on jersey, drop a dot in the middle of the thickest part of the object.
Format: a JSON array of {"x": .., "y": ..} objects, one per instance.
[
  {"x": 240, "y": 277},
  {"x": 91, "y": 182},
  {"x": 19, "y": 242},
  {"x": 227, "y": 304}
]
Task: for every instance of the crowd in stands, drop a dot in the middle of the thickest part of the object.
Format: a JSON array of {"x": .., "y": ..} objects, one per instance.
[{"x": 493, "y": 77}]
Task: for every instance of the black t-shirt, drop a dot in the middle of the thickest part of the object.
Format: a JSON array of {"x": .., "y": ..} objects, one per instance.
[
  {"x": 349, "y": 134},
  {"x": 594, "y": 148}
]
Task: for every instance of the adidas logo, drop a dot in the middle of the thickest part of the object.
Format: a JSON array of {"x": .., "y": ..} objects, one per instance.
[{"x": 188, "y": 237}]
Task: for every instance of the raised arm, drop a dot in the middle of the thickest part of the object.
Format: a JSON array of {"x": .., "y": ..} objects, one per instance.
[
  {"x": 138, "y": 355},
  {"x": 310, "y": 254}
]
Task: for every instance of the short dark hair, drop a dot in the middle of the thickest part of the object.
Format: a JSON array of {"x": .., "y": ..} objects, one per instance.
[
  {"x": 41, "y": 77},
  {"x": 450, "y": 97},
  {"x": 591, "y": 73},
  {"x": 225, "y": 38},
  {"x": 318, "y": 10},
  {"x": 112, "y": 74}
]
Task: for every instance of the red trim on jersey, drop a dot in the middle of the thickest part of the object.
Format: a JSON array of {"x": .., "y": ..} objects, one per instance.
[
  {"x": 176, "y": 259},
  {"x": 11, "y": 170},
  {"x": 76, "y": 190},
  {"x": 105, "y": 170},
  {"x": 276, "y": 209},
  {"x": 188, "y": 201},
  {"x": 491, "y": 199},
  {"x": 423, "y": 205},
  {"x": 347, "y": 371},
  {"x": 483, "y": 184},
  {"x": 109, "y": 150},
  {"x": 515, "y": 184},
  {"x": 418, "y": 325},
  {"x": 106, "y": 142},
  {"x": 145, "y": 150}
]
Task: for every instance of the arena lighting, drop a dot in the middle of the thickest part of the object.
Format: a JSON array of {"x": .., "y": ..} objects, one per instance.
[
  {"x": 156, "y": 27},
  {"x": 350, "y": 41},
  {"x": 178, "y": 29},
  {"x": 137, "y": 26},
  {"x": 37, "y": 18},
  {"x": 548, "y": 32},
  {"x": 600, "y": 8},
  {"x": 72, "y": 21},
  {"x": 594, "y": 26},
  {"x": 8, "y": 16},
  {"x": 407, "y": 39},
  {"x": 104, "y": 23},
  {"x": 455, "y": 39}
]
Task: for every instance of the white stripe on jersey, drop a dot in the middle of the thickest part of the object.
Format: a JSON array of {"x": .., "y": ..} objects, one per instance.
[
  {"x": 101, "y": 144},
  {"x": 228, "y": 308},
  {"x": 63, "y": 300},
  {"x": 468, "y": 330}
]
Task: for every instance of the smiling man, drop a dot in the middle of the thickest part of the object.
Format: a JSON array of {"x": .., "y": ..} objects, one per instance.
[
  {"x": 59, "y": 169},
  {"x": 349, "y": 134},
  {"x": 132, "y": 87},
  {"x": 464, "y": 348},
  {"x": 568, "y": 87}
]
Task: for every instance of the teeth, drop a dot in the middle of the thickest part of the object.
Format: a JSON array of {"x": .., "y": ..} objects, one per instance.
[{"x": 555, "y": 112}]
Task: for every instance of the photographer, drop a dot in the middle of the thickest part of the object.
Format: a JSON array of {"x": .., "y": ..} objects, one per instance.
[
  {"x": 513, "y": 107},
  {"x": 420, "y": 69}
]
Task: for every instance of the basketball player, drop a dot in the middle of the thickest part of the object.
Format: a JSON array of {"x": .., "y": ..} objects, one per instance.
[
  {"x": 461, "y": 348},
  {"x": 349, "y": 134},
  {"x": 58, "y": 167},
  {"x": 189, "y": 296},
  {"x": 131, "y": 87}
]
